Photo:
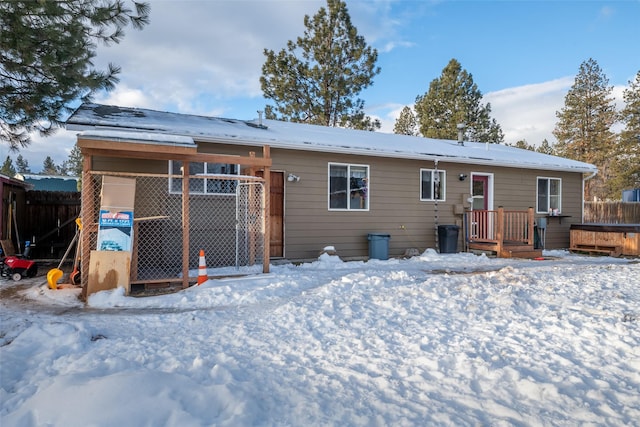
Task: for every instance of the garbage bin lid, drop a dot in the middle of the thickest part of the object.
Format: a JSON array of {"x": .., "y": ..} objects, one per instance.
[{"x": 379, "y": 235}]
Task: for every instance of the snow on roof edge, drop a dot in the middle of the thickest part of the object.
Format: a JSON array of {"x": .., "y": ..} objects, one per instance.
[
  {"x": 480, "y": 161},
  {"x": 135, "y": 124},
  {"x": 137, "y": 136}
]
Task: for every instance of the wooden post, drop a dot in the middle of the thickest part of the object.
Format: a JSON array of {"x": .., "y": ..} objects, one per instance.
[
  {"x": 86, "y": 218},
  {"x": 500, "y": 229},
  {"x": 530, "y": 237},
  {"x": 185, "y": 224},
  {"x": 134, "y": 253},
  {"x": 266, "y": 153}
]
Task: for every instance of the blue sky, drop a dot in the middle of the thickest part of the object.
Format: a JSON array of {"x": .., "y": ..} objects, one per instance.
[{"x": 205, "y": 56}]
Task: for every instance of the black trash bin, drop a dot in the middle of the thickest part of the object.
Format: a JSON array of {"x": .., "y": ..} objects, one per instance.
[
  {"x": 448, "y": 239},
  {"x": 378, "y": 246}
]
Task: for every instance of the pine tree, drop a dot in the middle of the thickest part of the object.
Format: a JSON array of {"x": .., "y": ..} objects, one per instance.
[
  {"x": 545, "y": 148},
  {"x": 317, "y": 78},
  {"x": 22, "y": 164},
  {"x": 626, "y": 164},
  {"x": 63, "y": 169},
  {"x": 523, "y": 144},
  {"x": 584, "y": 125},
  {"x": 47, "y": 49},
  {"x": 7, "y": 168},
  {"x": 406, "y": 123},
  {"x": 75, "y": 161},
  {"x": 454, "y": 99},
  {"x": 49, "y": 167}
]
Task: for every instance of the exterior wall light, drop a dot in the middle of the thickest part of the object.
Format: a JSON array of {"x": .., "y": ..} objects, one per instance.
[{"x": 293, "y": 178}]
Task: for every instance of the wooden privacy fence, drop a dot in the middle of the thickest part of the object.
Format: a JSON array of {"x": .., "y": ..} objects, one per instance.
[
  {"x": 49, "y": 221},
  {"x": 612, "y": 212}
]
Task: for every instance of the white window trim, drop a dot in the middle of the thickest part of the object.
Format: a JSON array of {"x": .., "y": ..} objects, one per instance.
[
  {"x": 200, "y": 193},
  {"x": 548, "y": 178},
  {"x": 348, "y": 165},
  {"x": 444, "y": 184}
]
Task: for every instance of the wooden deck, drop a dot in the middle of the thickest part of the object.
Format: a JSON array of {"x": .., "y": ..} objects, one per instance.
[{"x": 510, "y": 234}]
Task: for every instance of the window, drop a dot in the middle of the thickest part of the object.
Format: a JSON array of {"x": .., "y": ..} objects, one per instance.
[
  {"x": 432, "y": 184},
  {"x": 348, "y": 187},
  {"x": 549, "y": 195},
  {"x": 204, "y": 185}
]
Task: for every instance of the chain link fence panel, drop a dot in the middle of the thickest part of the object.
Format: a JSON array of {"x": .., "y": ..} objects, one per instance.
[{"x": 225, "y": 220}]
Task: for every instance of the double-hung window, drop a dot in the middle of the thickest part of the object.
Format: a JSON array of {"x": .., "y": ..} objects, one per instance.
[
  {"x": 348, "y": 187},
  {"x": 432, "y": 185},
  {"x": 549, "y": 195},
  {"x": 209, "y": 185}
]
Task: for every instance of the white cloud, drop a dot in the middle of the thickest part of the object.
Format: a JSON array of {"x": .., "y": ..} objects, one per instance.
[
  {"x": 124, "y": 95},
  {"x": 387, "y": 114},
  {"x": 529, "y": 112},
  {"x": 523, "y": 112},
  {"x": 57, "y": 147},
  {"x": 195, "y": 55}
]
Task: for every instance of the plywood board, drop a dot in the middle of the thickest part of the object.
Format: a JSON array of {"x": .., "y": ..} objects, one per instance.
[
  {"x": 109, "y": 270},
  {"x": 118, "y": 193}
]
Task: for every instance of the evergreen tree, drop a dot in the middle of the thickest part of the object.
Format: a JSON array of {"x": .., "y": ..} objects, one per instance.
[
  {"x": 545, "y": 148},
  {"x": 7, "y": 168},
  {"x": 626, "y": 164},
  {"x": 22, "y": 164},
  {"x": 406, "y": 123},
  {"x": 46, "y": 54},
  {"x": 523, "y": 144},
  {"x": 75, "y": 161},
  {"x": 454, "y": 98},
  {"x": 49, "y": 167},
  {"x": 317, "y": 79},
  {"x": 584, "y": 125},
  {"x": 63, "y": 169}
]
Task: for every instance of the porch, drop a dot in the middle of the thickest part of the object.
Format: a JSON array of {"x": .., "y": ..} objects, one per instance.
[{"x": 510, "y": 234}]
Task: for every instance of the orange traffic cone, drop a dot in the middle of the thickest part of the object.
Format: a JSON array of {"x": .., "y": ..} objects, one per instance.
[{"x": 202, "y": 269}]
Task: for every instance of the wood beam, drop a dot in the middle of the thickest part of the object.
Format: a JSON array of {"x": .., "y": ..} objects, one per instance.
[
  {"x": 164, "y": 152},
  {"x": 266, "y": 258}
]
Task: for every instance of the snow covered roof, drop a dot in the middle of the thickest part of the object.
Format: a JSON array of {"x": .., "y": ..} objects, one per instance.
[{"x": 163, "y": 127}]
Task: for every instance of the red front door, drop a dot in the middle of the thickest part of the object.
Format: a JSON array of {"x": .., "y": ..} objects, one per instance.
[{"x": 480, "y": 192}]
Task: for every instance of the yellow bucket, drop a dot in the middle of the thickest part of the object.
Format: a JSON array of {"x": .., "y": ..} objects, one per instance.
[{"x": 53, "y": 276}]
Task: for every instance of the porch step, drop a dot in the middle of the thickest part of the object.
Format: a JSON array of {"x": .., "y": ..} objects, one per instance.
[
  {"x": 508, "y": 251},
  {"x": 484, "y": 246},
  {"x": 520, "y": 253}
]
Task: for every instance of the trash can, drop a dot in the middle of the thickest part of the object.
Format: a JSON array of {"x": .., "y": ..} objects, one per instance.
[
  {"x": 448, "y": 239},
  {"x": 378, "y": 246}
]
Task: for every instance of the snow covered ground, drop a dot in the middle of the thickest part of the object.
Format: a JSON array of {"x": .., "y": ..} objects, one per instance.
[{"x": 450, "y": 340}]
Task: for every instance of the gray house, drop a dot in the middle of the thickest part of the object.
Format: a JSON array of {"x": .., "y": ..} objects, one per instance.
[{"x": 333, "y": 186}]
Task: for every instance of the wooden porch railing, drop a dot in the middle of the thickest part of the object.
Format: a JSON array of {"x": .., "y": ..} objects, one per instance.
[{"x": 502, "y": 231}]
